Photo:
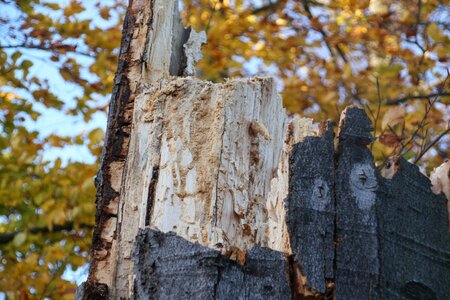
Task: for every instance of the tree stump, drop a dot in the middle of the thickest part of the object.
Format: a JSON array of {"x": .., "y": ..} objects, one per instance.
[{"x": 210, "y": 191}]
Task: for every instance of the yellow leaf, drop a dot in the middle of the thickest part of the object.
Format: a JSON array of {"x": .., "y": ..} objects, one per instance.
[
  {"x": 104, "y": 13},
  {"x": 435, "y": 33},
  {"x": 340, "y": 20},
  {"x": 281, "y": 22},
  {"x": 251, "y": 19},
  {"x": 259, "y": 46}
]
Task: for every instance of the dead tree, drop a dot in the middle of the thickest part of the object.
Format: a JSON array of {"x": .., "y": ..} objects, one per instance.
[{"x": 208, "y": 191}]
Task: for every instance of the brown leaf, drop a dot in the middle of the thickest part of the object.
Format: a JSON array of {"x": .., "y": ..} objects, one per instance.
[{"x": 390, "y": 140}]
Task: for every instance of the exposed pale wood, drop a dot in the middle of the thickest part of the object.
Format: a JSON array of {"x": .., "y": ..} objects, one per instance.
[
  {"x": 215, "y": 172},
  {"x": 109, "y": 178},
  {"x": 152, "y": 49},
  {"x": 192, "y": 51},
  {"x": 156, "y": 41},
  {"x": 220, "y": 174}
]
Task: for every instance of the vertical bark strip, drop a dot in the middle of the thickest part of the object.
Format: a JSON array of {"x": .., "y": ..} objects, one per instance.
[
  {"x": 159, "y": 42},
  {"x": 357, "y": 249},
  {"x": 310, "y": 207},
  {"x": 148, "y": 26},
  {"x": 115, "y": 150}
]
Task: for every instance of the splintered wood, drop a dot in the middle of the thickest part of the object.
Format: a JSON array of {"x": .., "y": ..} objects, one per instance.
[
  {"x": 221, "y": 153},
  {"x": 215, "y": 171},
  {"x": 210, "y": 163},
  {"x": 213, "y": 153}
]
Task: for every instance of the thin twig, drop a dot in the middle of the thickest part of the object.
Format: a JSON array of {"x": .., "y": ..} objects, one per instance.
[
  {"x": 44, "y": 48},
  {"x": 323, "y": 33},
  {"x": 422, "y": 122},
  {"x": 438, "y": 138},
  {"x": 378, "y": 110},
  {"x": 416, "y": 97},
  {"x": 8, "y": 237}
]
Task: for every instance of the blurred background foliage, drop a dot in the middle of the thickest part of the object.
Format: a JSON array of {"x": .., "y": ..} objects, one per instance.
[{"x": 58, "y": 59}]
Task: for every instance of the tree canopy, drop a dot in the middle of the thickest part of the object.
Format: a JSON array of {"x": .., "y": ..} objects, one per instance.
[{"x": 60, "y": 56}]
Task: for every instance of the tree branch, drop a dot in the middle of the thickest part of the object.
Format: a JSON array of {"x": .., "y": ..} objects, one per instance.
[
  {"x": 434, "y": 142},
  {"x": 323, "y": 33},
  {"x": 415, "y": 97},
  {"x": 40, "y": 47},
  {"x": 8, "y": 237}
]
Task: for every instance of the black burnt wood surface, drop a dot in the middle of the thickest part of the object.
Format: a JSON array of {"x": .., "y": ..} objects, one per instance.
[
  {"x": 310, "y": 207},
  {"x": 169, "y": 267}
]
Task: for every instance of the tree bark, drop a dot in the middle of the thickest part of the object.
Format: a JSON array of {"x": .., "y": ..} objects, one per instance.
[{"x": 151, "y": 49}]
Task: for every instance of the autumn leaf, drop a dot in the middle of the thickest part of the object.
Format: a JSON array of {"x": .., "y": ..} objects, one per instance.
[
  {"x": 390, "y": 140},
  {"x": 47, "y": 211}
]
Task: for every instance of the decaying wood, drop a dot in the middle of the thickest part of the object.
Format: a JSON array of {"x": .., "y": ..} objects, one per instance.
[
  {"x": 163, "y": 56},
  {"x": 152, "y": 48},
  {"x": 206, "y": 191},
  {"x": 214, "y": 171}
]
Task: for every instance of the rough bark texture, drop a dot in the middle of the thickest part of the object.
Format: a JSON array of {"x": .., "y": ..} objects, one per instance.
[
  {"x": 414, "y": 240},
  {"x": 310, "y": 208},
  {"x": 112, "y": 162},
  {"x": 366, "y": 245},
  {"x": 357, "y": 271},
  {"x": 170, "y": 267}
]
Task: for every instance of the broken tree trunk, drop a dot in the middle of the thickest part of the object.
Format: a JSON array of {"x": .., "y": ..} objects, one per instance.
[{"x": 207, "y": 191}]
